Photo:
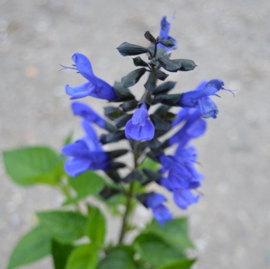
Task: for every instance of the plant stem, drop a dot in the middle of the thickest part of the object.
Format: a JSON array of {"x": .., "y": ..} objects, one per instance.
[
  {"x": 129, "y": 194},
  {"x": 155, "y": 51},
  {"x": 126, "y": 215},
  {"x": 66, "y": 191}
]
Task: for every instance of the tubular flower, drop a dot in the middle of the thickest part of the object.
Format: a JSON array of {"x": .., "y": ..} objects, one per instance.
[
  {"x": 193, "y": 127},
  {"x": 164, "y": 33},
  {"x": 139, "y": 127},
  {"x": 182, "y": 176},
  {"x": 184, "y": 197},
  {"x": 95, "y": 86},
  {"x": 86, "y": 112},
  {"x": 199, "y": 98},
  {"x": 160, "y": 212},
  {"x": 85, "y": 153}
]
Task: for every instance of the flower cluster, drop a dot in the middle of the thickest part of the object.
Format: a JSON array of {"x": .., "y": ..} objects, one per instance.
[{"x": 132, "y": 120}]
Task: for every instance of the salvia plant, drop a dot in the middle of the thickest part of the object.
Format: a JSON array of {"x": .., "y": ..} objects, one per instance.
[{"x": 75, "y": 235}]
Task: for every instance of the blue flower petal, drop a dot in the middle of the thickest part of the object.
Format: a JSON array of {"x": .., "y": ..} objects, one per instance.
[
  {"x": 208, "y": 107},
  {"x": 140, "y": 115},
  {"x": 85, "y": 111},
  {"x": 76, "y": 166},
  {"x": 165, "y": 183},
  {"x": 194, "y": 185},
  {"x": 138, "y": 132},
  {"x": 147, "y": 132},
  {"x": 166, "y": 161},
  {"x": 195, "y": 175},
  {"x": 164, "y": 33},
  {"x": 103, "y": 90},
  {"x": 213, "y": 86},
  {"x": 181, "y": 115},
  {"x": 191, "y": 98},
  {"x": 162, "y": 214},
  {"x": 132, "y": 131},
  {"x": 165, "y": 28},
  {"x": 183, "y": 198},
  {"x": 83, "y": 65},
  {"x": 186, "y": 154},
  {"x": 154, "y": 200},
  {"x": 76, "y": 149},
  {"x": 91, "y": 133},
  {"x": 178, "y": 180},
  {"x": 201, "y": 85},
  {"x": 96, "y": 87},
  {"x": 197, "y": 128},
  {"x": 80, "y": 91}
]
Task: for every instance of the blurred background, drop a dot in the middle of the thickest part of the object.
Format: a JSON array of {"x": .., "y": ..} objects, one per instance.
[{"x": 228, "y": 40}]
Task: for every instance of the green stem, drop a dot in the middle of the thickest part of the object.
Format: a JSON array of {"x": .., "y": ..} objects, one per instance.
[
  {"x": 126, "y": 215},
  {"x": 66, "y": 191},
  {"x": 129, "y": 195}
]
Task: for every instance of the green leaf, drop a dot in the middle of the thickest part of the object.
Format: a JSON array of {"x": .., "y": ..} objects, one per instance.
[
  {"x": 127, "y": 49},
  {"x": 149, "y": 164},
  {"x": 146, "y": 98},
  {"x": 168, "y": 64},
  {"x": 31, "y": 165},
  {"x": 161, "y": 75},
  {"x": 88, "y": 183},
  {"x": 112, "y": 137},
  {"x": 175, "y": 232},
  {"x": 182, "y": 264},
  {"x": 83, "y": 257},
  {"x": 167, "y": 43},
  {"x": 64, "y": 226},
  {"x": 107, "y": 192},
  {"x": 113, "y": 202},
  {"x": 151, "y": 82},
  {"x": 154, "y": 250},
  {"x": 35, "y": 245},
  {"x": 159, "y": 123},
  {"x": 120, "y": 257},
  {"x": 122, "y": 121},
  {"x": 123, "y": 93},
  {"x": 150, "y": 37},
  {"x": 168, "y": 99},
  {"x": 129, "y": 105},
  {"x": 113, "y": 112},
  {"x": 60, "y": 254},
  {"x": 186, "y": 65},
  {"x": 96, "y": 226},
  {"x": 164, "y": 87},
  {"x": 133, "y": 77},
  {"x": 139, "y": 62}
]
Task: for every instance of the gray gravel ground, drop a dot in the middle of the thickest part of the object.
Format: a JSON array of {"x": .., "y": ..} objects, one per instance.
[{"x": 227, "y": 39}]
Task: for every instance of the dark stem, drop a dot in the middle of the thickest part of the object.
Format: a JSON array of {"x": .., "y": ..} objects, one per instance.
[
  {"x": 155, "y": 51},
  {"x": 129, "y": 195}
]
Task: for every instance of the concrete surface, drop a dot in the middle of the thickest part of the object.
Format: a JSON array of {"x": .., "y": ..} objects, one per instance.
[{"x": 227, "y": 40}]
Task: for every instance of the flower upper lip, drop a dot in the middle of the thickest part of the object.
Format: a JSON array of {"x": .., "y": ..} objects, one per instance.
[{"x": 95, "y": 86}]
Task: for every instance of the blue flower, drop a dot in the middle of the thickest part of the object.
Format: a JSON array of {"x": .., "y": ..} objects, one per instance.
[
  {"x": 184, "y": 197},
  {"x": 87, "y": 113},
  {"x": 95, "y": 86},
  {"x": 160, "y": 212},
  {"x": 139, "y": 127},
  {"x": 164, "y": 33},
  {"x": 193, "y": 127},
  {"x": 182, "y": 176},
  {"x": 186, "y": 157},
  {"x": 85, "y": 153},
  {"x": 199, "y": 98}
]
